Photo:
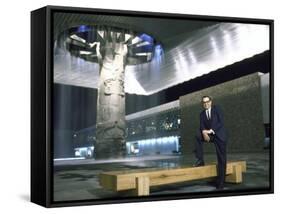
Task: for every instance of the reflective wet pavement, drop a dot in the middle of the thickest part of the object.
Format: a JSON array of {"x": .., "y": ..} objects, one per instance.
[{"x": 78, "y": 179}]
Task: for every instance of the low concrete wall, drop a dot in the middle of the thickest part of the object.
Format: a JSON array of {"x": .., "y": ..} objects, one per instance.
[{"x": 240, "y": 101}]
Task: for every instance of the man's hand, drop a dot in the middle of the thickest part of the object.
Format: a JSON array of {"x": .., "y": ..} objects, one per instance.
[
  {"x": 206, "y": 136},
  {"x": 210, "y": 131}
]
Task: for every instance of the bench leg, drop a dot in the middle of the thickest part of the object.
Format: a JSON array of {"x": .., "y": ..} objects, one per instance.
[
  {"x": 236, "y": 176},
  {"x": 142, "y": 186}
]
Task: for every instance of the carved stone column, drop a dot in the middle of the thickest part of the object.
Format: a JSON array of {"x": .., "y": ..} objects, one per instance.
[
  {"x": 113, "y": 48},
  {"x": 110, "y": 128}
]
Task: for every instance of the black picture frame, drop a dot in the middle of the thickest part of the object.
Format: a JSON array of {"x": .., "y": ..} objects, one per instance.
[{"x": 42, "y": 149}]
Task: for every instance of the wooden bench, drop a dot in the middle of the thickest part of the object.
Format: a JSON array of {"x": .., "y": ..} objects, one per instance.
[{"x": 141, "y": 180}]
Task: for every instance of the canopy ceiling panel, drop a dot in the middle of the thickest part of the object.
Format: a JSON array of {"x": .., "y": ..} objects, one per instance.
[{"x": 189, "y": 49}]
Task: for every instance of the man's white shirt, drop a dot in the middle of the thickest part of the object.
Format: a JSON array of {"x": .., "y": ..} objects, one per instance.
[{"x": 208, "y": 114}]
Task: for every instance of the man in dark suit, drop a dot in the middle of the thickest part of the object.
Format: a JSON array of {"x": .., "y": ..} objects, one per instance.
[{"x": 212, "y": 130}]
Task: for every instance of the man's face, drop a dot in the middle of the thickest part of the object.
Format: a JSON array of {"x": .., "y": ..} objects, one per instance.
[{"x": 206, "y": 102}]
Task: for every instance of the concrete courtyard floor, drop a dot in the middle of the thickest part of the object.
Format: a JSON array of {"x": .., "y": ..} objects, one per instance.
[{"x": 78, "y": 179}]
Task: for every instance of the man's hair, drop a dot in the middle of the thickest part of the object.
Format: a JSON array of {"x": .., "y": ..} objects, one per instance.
[{"x": 206, "y": 96}]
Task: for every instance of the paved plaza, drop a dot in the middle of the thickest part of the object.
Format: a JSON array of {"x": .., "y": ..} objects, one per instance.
[{"x": 78, "y": 179}]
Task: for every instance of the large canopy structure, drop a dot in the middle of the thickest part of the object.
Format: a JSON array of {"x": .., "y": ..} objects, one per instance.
[{"x": 189, "y": 49}]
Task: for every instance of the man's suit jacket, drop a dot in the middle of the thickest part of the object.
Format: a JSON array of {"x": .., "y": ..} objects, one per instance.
[{"x": 216, "y": 122}]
